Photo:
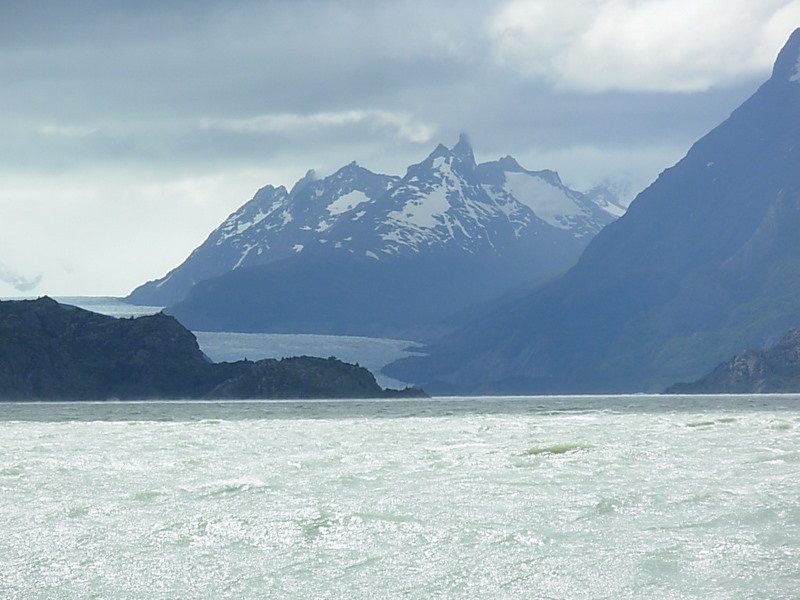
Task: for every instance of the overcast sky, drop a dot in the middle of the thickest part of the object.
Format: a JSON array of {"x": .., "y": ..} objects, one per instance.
[{"x": 130, "y": 129}]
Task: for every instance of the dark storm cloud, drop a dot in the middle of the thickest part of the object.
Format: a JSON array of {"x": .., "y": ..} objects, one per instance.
[
  {"x": 221, "y": 57},
  {"x": 132, "y": 81},
  {"x": 138, "y": 79}
]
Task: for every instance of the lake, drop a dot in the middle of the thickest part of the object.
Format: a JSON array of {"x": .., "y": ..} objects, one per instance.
[{"x": 621, "y": 497}]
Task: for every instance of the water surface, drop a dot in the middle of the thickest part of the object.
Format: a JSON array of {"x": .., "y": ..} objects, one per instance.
[{"x": 571, "y": 497}]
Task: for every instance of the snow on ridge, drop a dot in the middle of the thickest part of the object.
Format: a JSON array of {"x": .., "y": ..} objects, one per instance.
[
  {"x": 247, "y": 249},
  {"x": 548, "y": 202},
  {"x": 440, "y": 162},
  {"x": 249, "y": 216},
  {"x": 423, "y": 212},
  {"x": 612, "y": 209},
  {"x": 242, "y": 227},
  {"x": 347, "y": 202},
  {"x": 440, "y": 208}
]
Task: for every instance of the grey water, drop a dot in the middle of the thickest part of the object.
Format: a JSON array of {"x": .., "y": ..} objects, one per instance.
[{"x": 644, "y": 497}]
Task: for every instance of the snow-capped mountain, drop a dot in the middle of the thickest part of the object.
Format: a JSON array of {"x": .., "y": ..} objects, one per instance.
[
  {"x": 274, "y": 225},
  {"x": 444, "y": 204}
]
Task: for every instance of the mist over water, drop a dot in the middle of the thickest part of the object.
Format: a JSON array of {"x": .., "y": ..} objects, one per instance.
[{"x": 627, "y": 497}]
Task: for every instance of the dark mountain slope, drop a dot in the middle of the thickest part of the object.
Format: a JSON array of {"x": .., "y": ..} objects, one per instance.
[
  {"x": 704, "y": 263},
  {"x": 405, "y": 298},
  {"x": 774, "y": 370},
  {"x": 50, "y": 351}
]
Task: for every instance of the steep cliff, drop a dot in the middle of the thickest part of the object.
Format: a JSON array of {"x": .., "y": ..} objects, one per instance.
[{"x": 774, "y": 370}]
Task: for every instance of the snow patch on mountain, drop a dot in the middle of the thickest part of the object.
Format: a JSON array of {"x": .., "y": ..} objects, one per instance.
[
  {"x": 424, "y": 212},
  {"x": 246, "y": 250},
  {"x": 347, "y": 202},
  {"x": 548, "y": 202}
]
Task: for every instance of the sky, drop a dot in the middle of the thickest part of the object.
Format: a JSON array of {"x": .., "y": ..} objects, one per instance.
[{"x": 129, "y": 130}]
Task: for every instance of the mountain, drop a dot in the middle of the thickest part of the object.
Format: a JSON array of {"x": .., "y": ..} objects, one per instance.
[
  {"x": 369, "y": 254},
  {"x": 50, "y": 351},
  {"x": 774, "y": 370},
  {"x": 706, "y": 261},
  {"x": 274, "y": 225}
]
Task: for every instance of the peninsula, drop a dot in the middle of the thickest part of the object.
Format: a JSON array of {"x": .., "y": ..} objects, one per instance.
[{"x": 52, "y": 351}]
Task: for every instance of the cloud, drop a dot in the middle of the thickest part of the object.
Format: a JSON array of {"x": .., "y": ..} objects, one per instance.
[
  {"x": 641, "y": 45},
  {"x": 18, "y": 282},
  {"x": 50, "y": 129},
  {"x": 105, "y": 231},
  {"x": 402, "y": 125},
  {"x": 583, "y": 166}
]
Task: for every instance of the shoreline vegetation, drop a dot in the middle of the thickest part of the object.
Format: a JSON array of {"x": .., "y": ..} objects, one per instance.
[{"x": 51, "y": 351}]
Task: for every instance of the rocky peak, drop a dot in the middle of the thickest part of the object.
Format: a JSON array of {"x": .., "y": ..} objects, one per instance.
[
  {"x": 309, "y": 177},
  {"x": 460, "y": 159},
  {"x": 774, "y": 370},
  {"x": 510, "y": 164},
  {"x": 787, "y": 65},
  {"x": 462, "y": 153}
]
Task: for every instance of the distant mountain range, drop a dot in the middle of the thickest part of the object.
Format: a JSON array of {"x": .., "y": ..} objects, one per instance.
[
  {"x": 705, "y": 262},
  {"x": 362, "y": 253}
]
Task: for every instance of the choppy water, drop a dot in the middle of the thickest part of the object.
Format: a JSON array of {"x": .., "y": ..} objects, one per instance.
[{"x": 631, "y": 497}]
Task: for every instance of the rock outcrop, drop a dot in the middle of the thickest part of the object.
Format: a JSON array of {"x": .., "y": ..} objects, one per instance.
[{"x": 774, "y": 370}]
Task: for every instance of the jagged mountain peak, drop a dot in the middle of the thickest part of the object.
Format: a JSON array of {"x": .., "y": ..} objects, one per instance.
[
  {"x": 459, "y": 158},
  {"x": 446, "y": 203},
  {"x": 309, "y": 177},
  {"x": 351, "y": 169},
  {"x": 787, "y": 65},
  {"x": 509, "y": 163},
  {"x": 463, "y": 147},
  {"x": 270, "y": 189},
  {"x": 352, "y": 175}
]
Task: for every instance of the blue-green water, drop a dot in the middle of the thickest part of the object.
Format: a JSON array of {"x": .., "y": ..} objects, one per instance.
[{"x": 575, "y": 497}]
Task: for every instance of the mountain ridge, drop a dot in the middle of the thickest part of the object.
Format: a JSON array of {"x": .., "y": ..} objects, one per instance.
[
  {"x": 450, "y": 229},
  {"x": 278, "y": 223},
  {"x": 658, "y": 295}
]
